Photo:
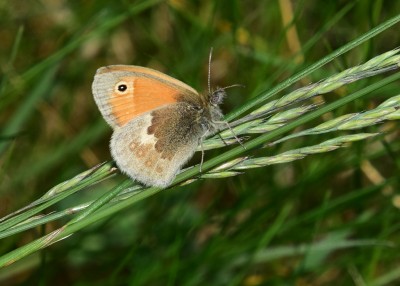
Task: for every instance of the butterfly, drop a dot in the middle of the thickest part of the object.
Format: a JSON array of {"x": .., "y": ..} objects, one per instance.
[{"x": 157, "y": 120}]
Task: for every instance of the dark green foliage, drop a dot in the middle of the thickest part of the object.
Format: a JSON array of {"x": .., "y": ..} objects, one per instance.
[{"x": 328, "y": 219}]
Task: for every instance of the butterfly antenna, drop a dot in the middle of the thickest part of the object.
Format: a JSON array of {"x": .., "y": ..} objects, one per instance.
[
  {"x": 233, "y": 85},
  {"x": 209, "y": 70}
]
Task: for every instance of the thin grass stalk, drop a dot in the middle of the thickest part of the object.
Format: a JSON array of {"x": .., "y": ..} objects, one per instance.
[
  {"x": 380, "y": 64},
  {"x": 63, "y": 232},
  {"x": 388, "y": 110},
  {"x": 264, "y": 96},
  {"x": 77, "y": 185}
]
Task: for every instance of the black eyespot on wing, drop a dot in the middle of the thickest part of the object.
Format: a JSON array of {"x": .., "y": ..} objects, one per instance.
[{"x": 122, "y": 87}]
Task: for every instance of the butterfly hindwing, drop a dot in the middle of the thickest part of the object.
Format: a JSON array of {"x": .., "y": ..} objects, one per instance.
[{"x": 157, "y": 143}]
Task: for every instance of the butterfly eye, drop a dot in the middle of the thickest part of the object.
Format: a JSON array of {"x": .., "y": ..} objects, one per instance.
[
  {"x": 121, "y": 87},
  {"x": 217, "y": 96}
]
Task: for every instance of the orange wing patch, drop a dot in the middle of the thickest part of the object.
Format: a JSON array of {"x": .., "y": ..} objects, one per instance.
[
  {"x": 125, "y": 92},
  {"x": 142, "y": 95}
]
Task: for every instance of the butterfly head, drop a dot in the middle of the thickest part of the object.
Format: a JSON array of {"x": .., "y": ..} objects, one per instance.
[{"x": 217, "y": 96}]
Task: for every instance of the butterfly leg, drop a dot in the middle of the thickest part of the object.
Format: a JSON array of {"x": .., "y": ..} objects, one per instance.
[
  {"x": 202, "y": 152},
  {"x": 233, "y": 132}
]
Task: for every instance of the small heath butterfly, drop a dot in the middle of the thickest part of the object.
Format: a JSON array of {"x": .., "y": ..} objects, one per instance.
[{"x": 158, "y": 121}]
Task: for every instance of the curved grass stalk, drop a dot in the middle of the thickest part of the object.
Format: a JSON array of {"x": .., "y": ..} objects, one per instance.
[
  {"x": 380, "y": 64},
  {"x": 388, "y": 110}
]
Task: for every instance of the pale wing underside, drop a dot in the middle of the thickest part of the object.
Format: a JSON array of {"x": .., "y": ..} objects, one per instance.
[{"x": 134, "y": 147}]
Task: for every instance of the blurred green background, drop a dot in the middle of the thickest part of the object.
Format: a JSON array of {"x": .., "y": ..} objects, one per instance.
[{"x": 323, "y": 220}]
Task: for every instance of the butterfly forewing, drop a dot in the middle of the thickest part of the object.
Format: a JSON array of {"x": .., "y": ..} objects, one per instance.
[{"x": 125, "y": 92}]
